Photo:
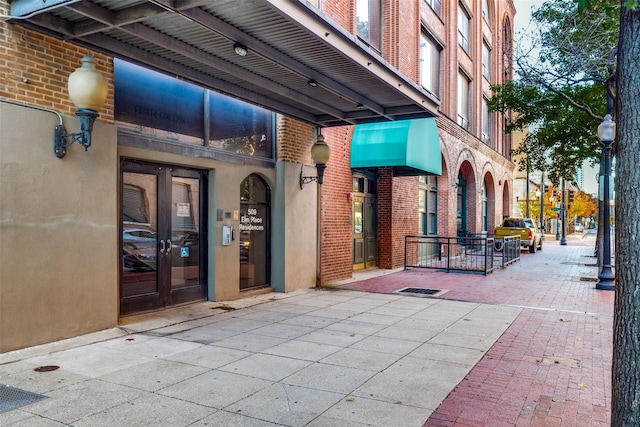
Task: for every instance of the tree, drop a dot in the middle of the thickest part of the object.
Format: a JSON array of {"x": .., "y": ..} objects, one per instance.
[
  {"x": 583, "y": 206},
  {"x": 623, "y": 84},
  {"x": 626, "y": 335},
  {"x": 563, "y": 78},
  {"x": 625, "y": 395}
]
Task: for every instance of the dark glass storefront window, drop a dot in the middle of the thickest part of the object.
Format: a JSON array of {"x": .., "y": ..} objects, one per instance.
[
  {"x": 164, "y": 106},
  {"x": 239, "y": 127},
  {"x": 150, "y": 99}
]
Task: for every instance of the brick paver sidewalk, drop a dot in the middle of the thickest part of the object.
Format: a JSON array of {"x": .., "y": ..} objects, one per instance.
[{"x": 552, "y": 367}]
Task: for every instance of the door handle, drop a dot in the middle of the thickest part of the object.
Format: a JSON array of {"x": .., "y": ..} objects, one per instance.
[
  {"x": 168, "y": 246},
  {"x": 162, "y": 246}
]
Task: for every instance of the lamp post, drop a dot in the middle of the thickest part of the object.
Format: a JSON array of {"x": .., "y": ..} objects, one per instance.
[
  {"x": 606, "y": 134},
  {"x": 541, "y": 197},
  {"x": 563, "y": 215}
]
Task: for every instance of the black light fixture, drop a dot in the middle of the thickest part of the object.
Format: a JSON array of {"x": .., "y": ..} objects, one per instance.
[
  {"x": 312, "y": 83},
  {"x": 606, "y": 133},
  {"x": 320, "y": 153},
  {"x": 88, "y": 90},
  {"x": 240, "y": 49}
]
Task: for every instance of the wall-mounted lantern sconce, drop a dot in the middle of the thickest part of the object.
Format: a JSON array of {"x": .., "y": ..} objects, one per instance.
[
  {"x": 240, "y": 49},
  {"x": 320, "y": 153},
  {"x": 88, "y": 91},
  {"x": 455, "y": 185}
]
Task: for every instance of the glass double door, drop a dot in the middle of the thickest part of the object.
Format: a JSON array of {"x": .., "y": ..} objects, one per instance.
[
  {"x": 162, "y": 237},
  {"x": 365, "y": 248}
]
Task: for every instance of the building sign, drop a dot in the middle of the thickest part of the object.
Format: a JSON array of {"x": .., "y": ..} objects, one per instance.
[
  {"x": 184, "y": 210},
  {"x": 252, "y": 221}
]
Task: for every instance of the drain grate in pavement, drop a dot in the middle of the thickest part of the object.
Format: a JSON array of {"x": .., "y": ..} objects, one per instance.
[
  {"x": 419, "y": 291},
  {"x": 12, "y": 398}
]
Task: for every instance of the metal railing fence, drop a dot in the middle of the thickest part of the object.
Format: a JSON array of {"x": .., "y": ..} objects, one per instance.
[{"x": 475, "y": 253}]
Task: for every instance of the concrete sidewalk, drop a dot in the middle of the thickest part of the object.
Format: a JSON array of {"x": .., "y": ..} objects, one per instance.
[
  {"x": 528, "y": 345},
  {"x": 552, "y": 367}
]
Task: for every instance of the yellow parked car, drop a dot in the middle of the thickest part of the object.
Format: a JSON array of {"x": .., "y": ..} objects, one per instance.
[{"x": 530, "y": 235}]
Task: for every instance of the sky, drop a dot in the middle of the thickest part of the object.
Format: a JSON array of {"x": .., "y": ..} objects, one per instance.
[{"x": 523, "y": 12}]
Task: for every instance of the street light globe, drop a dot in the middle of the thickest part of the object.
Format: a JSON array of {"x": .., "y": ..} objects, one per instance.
[
  {"x": 320, "y": 151},
  {"x": 607, "y": 129},
  {"x": 87, "y": 87}
]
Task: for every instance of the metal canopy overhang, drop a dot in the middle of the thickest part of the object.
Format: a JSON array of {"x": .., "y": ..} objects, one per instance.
[{"x": 289, "y": 43}]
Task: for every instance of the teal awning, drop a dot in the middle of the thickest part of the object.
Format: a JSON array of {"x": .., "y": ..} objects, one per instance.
[{"x": 412, "y": 147}]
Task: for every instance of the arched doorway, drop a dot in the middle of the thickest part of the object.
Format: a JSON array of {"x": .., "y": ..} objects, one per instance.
[{"x": 255, "y": 233}]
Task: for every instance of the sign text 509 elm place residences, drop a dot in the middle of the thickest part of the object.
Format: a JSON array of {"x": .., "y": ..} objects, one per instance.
[{"x": 251, "y": 222}]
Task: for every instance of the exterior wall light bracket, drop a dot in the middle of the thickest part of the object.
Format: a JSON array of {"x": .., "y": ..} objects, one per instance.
[
  {"x": 88, "y": 91},
  {"x": 307, "y": 179},
  {"x": 60, "y": 144},
  {"x": 320, "y": 153}
]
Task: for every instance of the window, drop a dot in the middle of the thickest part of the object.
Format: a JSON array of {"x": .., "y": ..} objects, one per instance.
[
  {"x": 486, "y": 12},
  {"x": 429, "y": 65},
  {"x": 368, "y": 21},
  {"x": 134, "y": 204},
  {"x": 436, "y": 5},
  {"x": 464, "y": 28},
  {"x": 486, "y": 122},
  {"x": 485, "y": 206},
  {"x": 463, "y": 100},
  {"x": 428, "y": 205},
  {"x": 486, "y": 61},
  {"x": 507, "y": 49}
]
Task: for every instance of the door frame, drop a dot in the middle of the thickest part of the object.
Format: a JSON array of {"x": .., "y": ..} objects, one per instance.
[
  {"x": 165, "y": 295},
  {"x": 365, "y": 192}
]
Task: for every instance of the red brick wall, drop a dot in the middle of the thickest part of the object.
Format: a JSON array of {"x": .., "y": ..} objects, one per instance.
[
  {"x": 397, "y": 216},
  {"x": 405, "y": 217},
  {"x": 294, "y": 140},
  {"x": 341, "y": 11},
  {"x": 385, "y": 217},
  {"x": 34, "y": 68},
  {"x": 337, "y": 239}
]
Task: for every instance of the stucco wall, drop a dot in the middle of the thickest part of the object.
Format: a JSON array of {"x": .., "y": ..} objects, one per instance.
[
  {"x": 58, "y": 230},
  {"x": 299, "y": 228},
  {"x": 292, "y": 221}
]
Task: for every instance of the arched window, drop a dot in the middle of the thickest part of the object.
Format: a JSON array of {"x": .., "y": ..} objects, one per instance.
[
  {"x": 485, "y": 206},
  {"x": 255, "y": 199}
]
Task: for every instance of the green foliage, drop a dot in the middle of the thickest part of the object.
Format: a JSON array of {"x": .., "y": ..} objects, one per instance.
[
  {"x": 560, "y": 95},
  {"x": 560, "y": 135},
  {"x": 588, "y": 4}
]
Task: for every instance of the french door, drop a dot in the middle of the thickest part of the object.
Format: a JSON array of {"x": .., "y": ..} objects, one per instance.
[
  {"x": 365, "y": 247},
  {"x": 163, "y": 236}
]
